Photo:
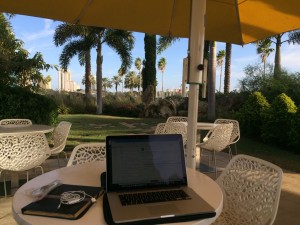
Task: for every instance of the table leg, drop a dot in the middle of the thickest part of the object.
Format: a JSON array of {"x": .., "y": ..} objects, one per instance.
[
  {"x": 198, "y": 139},
  {"x": 14, "y": 179}
]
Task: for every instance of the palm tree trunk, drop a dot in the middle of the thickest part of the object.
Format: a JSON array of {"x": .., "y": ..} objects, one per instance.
[
  {"x": 99, "y": 79},
  {"x": 220, "y": 79},
  {"x": 211, "y": 94},
  {"x": 227, "y": 69},
  {"x": 88, "y": 92},
  {"x": 277, "y": 67},
  {"x": 162, "y": 85}
]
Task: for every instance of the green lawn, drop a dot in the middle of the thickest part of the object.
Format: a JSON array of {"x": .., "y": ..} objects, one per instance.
[{"x": 94, "y": 128}]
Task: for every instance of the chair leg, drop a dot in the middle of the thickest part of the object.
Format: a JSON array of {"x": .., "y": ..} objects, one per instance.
[
  {"x": 58, "y": 160},
  {"x": 216, "y": 171},
  {"x": 229, "y": 152},
  {"x": 235, "y": 148},
  {"x": 65, "y": 155},
  {"x": 4, "y": 182}
]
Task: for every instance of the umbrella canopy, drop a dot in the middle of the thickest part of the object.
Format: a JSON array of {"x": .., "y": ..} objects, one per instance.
[{"x": 232, "y": 21}]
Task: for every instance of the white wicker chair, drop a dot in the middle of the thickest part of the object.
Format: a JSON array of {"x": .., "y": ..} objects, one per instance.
[
  {"x": 235, "y": 136},
  {"x": 173, "y": 128},
  {"x": 15, "y": 122},
  {"x": 217, "y": 139},
  {"x": 177, "y": 119},
  {"x": 60, "y": 135},
  {"x": 251, "y": 189},
  {"x": 22, "y": 152},
  {"x": 160, "y": 128},
  {"x": 88, "y": 152}
]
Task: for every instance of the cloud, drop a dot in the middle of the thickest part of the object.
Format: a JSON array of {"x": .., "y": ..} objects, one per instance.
[{"x": 45, "y": 32}]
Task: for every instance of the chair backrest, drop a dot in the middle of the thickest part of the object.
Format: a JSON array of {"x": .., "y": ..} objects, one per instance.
[
  {"x": 23, "y": 151},
  {"x": 235, "y": 135},
  {"x": 15, "y": 122},
  {"x": 251, "y": 189},
  {"x": 60, "y": 135},
  {"x": 218, "y": 138},
  {"x": 177, "y": 119},
  {"x": 88, "y": 152},
  {"x": 160, "y": 128}
]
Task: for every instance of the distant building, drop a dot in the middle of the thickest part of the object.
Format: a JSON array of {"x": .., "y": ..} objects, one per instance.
[
  {"x": 65, "y": 82},
  {"x": 45, "y": 86}
]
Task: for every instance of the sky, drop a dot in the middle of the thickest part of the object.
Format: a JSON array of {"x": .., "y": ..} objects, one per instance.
[{"x": 37, "y": 35}]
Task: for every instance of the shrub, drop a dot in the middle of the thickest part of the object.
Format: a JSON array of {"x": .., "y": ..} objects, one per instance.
[
  {"x": 277, "y": 120},
  {"x": 73, "y": 102},
  {"x": 250, "y": 114},
  {"x": 294, "y": 134},
  {"x": 20, "y": 103},
  {"x": 122, "y": 104}
]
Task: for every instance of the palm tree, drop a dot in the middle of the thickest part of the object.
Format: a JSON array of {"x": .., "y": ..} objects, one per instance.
[
  {"x": 293, "y": 37},
  {"x": 76, "y": 41},
  {"x": 121, "y": 73},
  {"x": 264, "y": 49},
  {"x": 162, "y": 66},
  {"x": 211, "y": 93},
  {"x": 220, "y": 60},
  {"x": 138, "y": 64},
  {"x": 227, "y": 68},
  {"x": 87, "y": 38},
  {"x": 149, "y": 70},
  {"x": 130, "y": 81},
  {"x": 116, "y": 80},
  {"x": 106, "y": 83}
]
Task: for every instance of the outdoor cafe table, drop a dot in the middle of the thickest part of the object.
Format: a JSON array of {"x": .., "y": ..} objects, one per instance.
[
  {"x": 23, "y": 129},
  {"x": 202, "y": 126},
  {"x": 26, "y": 129},
  {"x": 89, "y": 174}
]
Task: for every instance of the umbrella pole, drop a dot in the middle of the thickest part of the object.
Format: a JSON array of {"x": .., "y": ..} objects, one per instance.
[{"x": 196, "y": 49}]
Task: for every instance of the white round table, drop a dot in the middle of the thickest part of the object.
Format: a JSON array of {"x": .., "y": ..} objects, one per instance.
[
  {"x": 26, "y": 129},
  {"x": 89, "y": 174}
]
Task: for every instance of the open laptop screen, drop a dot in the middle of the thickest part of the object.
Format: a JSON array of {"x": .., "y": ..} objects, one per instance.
[{"x": 139, "y": 161}]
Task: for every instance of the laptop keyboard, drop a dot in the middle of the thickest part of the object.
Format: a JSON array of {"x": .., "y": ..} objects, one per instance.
[{"x": 151, "y": 197}]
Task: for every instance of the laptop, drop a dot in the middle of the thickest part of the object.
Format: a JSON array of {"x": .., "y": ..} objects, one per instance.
[{"x": 142, "y": 170}]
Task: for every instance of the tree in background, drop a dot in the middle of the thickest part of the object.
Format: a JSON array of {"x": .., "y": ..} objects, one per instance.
[
  {"x": 162, "y": 66},
  {"x": 106, "y": 83},
  {"x": 84, "y": 38},
  {"x": 17, "y": 68},
  {"x": 220, "y": 60},
  {"x": 211, "y": 90},
  {"x": 138, "y": 65},
  {"x": 264, "y": 50},
  {"x": 149, "y": 69},
  {"x": 130, "y": 81},
  {"x": 116, "y": 80},
  {"x": 227, "y": 68},
  {"x": 122, "y": 72}
]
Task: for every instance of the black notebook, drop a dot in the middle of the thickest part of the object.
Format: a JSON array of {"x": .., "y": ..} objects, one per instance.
[{"x": 48, "y": 206}]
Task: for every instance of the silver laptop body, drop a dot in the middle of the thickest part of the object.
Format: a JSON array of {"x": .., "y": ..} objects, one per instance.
[{"x": 150, "y": 163}]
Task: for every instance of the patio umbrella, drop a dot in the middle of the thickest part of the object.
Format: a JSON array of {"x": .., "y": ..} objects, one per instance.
[{"x": 232, "y": 21}]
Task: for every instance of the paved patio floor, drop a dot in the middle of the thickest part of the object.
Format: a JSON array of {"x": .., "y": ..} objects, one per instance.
[{"x": 289, "y": 206}]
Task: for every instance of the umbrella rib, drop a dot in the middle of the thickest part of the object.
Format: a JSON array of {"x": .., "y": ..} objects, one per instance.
[
  {"x": 172, "y": 18},
  {"x": 238, "y": 19},
  {"x": 77, "y": 20}
]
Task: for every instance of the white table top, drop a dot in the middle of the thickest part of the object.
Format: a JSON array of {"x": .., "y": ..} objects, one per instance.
[
  {"x": 28, "y": 129},
  {"x": 89, "y": 174},
  {"x": 205, "y": 126}
]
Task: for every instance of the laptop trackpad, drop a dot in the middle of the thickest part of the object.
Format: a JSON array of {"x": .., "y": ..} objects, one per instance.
[{"x": 164, "y": 209}]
